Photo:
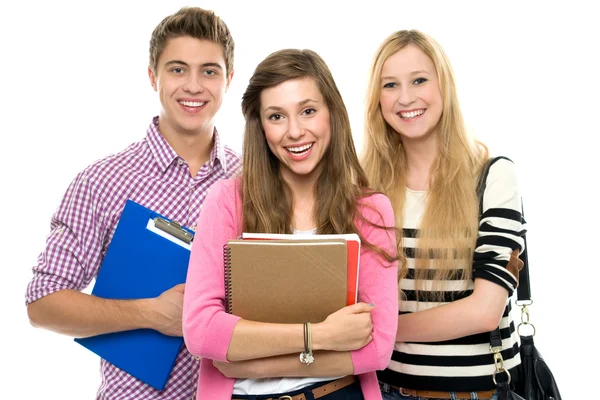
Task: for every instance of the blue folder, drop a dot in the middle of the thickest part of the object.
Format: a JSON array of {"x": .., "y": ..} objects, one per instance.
[{"x": 143, "y": 260}]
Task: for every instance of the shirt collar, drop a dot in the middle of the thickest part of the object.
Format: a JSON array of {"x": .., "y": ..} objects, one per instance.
[{"x": 164, "y": 154}]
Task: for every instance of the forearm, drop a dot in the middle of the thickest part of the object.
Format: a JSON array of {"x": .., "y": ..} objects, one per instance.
[
  {"x": 77, "y": 314},
  {"x": 252, "y": 340},
  {"x": 326, "y": 363},
  {"x": 477, "y": 313}
]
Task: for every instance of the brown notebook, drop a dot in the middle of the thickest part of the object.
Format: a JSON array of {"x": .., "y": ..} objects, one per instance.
[{"x": 285, "y": 281}]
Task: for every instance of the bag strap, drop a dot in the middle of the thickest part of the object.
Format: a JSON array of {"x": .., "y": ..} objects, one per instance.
[{"x": 524, "y": 288}]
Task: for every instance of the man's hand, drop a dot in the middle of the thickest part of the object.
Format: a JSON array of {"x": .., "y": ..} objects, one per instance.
[{"x": 167, "y": 310}]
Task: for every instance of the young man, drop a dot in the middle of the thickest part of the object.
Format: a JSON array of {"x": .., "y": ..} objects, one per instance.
[{"x": 170, "y": 172}]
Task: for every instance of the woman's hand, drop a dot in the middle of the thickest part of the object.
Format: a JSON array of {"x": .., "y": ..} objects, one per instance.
[{"x": 345, "y": 330}]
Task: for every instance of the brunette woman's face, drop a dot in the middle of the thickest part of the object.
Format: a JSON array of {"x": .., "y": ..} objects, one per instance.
[{"x": 297, "y": 126}]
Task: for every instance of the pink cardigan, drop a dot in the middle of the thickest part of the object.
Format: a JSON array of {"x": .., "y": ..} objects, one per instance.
[{"x": 207, "y": 328}]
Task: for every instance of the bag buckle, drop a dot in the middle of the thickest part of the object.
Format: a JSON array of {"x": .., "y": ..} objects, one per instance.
[
  {"x": 499, "y": 364},
  {"x": 525, "y": 317}
]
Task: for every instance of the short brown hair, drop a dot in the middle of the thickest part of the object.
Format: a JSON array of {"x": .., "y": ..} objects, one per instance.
[{"x": 197, "y": 23}]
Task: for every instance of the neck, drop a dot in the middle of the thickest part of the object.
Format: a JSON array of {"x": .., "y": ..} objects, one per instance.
[
  {"x": 193, "y": 146},
  {"x": 420, "y": 155},
  {"x": 303, "y": 197}
]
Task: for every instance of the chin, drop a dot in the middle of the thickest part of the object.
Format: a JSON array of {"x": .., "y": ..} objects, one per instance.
[{"x": 193, "y": 126}]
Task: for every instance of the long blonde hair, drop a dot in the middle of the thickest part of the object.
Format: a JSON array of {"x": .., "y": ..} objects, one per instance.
[
  {"x": 449, "y": 227},
  {"x": 267, "y": 201}
]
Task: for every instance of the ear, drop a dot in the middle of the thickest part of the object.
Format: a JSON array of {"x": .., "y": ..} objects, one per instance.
[
  {"x": 152, "y": 78},
  {"x": 229, "y": 78}
]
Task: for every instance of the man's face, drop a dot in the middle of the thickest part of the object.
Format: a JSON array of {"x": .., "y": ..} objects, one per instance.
[{"x": 191, "y": 79}]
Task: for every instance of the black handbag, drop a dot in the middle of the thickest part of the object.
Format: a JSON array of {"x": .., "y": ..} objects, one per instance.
[{"x": 536, "y": 381}]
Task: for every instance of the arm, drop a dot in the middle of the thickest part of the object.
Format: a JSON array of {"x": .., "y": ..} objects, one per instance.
[
  {"x": 477, "y": 313},
  {"x": 210, "y": 332},
  {"x": 378, "y": 284},
  {"x": 327, "y": 363},
  {"x": 71, "y": 259},
  {"x": 77, "y": 314},
  {"x": 349, "y": 327},
  {"x": 501, "y": 230}
]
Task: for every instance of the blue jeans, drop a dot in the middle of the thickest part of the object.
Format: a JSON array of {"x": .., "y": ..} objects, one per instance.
[{"x": 391, "y": 394}]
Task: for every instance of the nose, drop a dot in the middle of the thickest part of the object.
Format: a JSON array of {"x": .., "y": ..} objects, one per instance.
[
  {"x": 406, "y": 95},
  {"x": 193, "y": 84},
  {"x": 295, "y": 128}
]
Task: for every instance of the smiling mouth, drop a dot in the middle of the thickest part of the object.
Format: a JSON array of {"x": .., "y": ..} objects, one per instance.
[
  {"x": 195, "y": 104},
  {"x": 300, "y": 150},
  {"x": 411, "y": 114}
]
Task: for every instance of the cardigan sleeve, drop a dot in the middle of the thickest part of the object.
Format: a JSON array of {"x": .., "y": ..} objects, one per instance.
[
  {"x": 207, "y": 328},
  {"x": 378, "y": 284}
]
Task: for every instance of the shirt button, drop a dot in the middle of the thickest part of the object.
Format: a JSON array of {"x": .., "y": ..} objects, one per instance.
[
  {"x": 194, "y": 227},
  {"x": 180, "y": 161}
]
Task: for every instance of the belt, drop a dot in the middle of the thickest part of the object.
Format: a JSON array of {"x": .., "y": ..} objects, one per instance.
[
  {"x": 318, "y": 392},
  {"x": 487, "y": 394}
]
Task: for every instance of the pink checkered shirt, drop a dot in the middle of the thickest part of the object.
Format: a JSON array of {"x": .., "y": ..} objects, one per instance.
[{"x": 148, "y": 172}]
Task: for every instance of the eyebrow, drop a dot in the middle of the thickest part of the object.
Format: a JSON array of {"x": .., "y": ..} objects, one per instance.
[
  {"x": 302, "y": 103},
  {"x": 421, "y": 71},
  {"x": 208, "y": 64}
]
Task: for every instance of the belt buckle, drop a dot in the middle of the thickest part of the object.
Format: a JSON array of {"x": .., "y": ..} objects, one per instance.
[
  {"x": 285, "y": 398},
  {"x": 403, "y": 392}
]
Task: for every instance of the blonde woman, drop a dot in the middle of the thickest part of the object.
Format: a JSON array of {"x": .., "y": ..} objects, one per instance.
[{"x": 458, "y": 276}]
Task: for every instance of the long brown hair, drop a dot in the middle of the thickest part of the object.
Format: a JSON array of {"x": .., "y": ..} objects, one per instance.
[
  {"x": 267, "y": 200},
  {"x": 449, "y": 227}
]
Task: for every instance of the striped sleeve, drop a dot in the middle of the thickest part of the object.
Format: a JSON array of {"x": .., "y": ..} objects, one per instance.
[{"x": 501, "y": 228}]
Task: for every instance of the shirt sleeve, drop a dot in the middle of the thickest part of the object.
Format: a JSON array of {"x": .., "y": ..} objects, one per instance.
[
  {"x": 72, "y": 255},
  {"x": 378, "y": 284},
  {"x": 207, "y": 328},
  {"x": 502, "y": 227}
]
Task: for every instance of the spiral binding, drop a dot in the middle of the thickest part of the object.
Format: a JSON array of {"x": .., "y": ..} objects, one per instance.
[{"x": 227, "y": 266}]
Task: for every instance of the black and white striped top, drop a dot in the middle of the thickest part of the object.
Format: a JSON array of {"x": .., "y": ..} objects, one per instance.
[{"x": 463, "y": 364}]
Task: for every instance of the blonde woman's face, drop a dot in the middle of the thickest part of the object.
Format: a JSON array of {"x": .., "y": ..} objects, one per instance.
[
  {"x": 297, "y": 126},
  {"x": 411, "y": 101}
]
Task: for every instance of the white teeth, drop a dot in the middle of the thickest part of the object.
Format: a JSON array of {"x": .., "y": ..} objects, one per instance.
[
  {"x": 192, "y": 103},
  {"x": 411, "y": 114},
  {"x": 300, "y": 149}
]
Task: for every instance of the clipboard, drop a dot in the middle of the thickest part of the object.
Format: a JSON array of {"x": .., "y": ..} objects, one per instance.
[{"x": 148, "y": 254}]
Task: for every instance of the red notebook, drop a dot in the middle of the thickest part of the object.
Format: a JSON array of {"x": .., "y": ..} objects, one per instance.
[{"x": 353, "y": 243}]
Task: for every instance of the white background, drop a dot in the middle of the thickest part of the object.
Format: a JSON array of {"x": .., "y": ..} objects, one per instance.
[{"x": 75, "y": 89}]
